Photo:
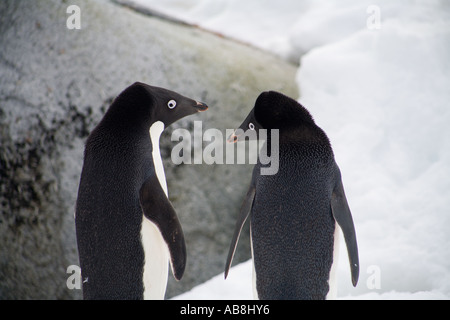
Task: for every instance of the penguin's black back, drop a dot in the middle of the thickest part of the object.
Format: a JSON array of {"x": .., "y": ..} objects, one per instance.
[
  {"x": 108, "y": 213},
  {"x": 291, "y": 220}
]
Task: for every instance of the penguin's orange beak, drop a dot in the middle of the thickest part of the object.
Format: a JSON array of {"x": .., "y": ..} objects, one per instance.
[
  {"x": 200, "y": 106},
  {"x": 233, "y": 138}
]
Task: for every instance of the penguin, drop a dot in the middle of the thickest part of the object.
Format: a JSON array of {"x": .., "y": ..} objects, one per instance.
[
  {"x": 296, "y": 213},
  {"x": 127, "y": 230}
]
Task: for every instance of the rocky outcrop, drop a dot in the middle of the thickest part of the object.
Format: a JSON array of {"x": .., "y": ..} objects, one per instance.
[{"x": 55, "y": 85}]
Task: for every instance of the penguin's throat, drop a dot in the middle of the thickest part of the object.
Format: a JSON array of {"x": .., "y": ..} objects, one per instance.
[{"x": 155, "y": 133}]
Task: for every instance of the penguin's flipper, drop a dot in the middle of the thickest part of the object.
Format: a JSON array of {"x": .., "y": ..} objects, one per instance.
[
  {"x": 246, "y": 208},
  {"x": 343, "y": 217},
  {"x": 243, "y": 215},
  {"x": 158, "y": 209}
]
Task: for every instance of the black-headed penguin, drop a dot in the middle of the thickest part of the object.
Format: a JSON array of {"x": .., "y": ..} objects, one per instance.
[
  {"x": 127, "y": 230},
  {"x": 295, "y": 212}
]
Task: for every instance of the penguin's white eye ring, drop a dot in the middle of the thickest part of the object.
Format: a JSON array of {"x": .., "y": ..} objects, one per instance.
[
  {"x": 172, "y": 104},
  {"x": 251, "y": 126}
]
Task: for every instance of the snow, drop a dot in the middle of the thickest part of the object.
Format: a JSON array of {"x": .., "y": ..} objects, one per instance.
[
  {"x": 375, "y": 76},
  {"x": 237, "y": 286}
]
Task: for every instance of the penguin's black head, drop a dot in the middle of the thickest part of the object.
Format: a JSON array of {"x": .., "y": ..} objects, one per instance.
[
  {"x": 273, "y": 110},
  {"x": 142, "y": 105}
]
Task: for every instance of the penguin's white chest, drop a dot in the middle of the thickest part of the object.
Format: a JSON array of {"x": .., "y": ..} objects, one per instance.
[
  {"x": 156, "y": 252},
  {"x": 156, "y": 264},
  {"x": 155, "y": 133}
]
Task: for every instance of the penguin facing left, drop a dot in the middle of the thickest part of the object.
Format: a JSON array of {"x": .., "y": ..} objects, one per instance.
[
  {"x": 127, "y": 230},
  {"x": 295, "y": 212}
]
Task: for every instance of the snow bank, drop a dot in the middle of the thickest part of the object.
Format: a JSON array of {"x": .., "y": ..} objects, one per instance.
[
  {"x": 238, "y": 286},
  {"x": 288, "y": 28},
  {"x": 375, "y": 76}
]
